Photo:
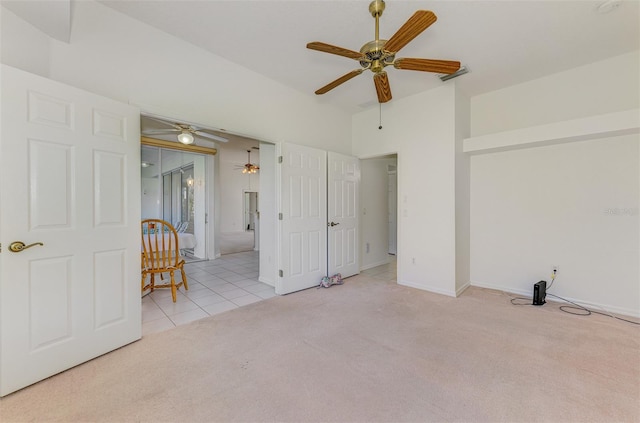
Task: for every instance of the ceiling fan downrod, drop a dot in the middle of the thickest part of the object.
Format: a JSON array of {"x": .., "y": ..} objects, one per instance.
[{"x": 376, "y": 8}]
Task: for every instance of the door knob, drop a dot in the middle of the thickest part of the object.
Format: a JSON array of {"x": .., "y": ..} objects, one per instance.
[
  {"x": 332, "y": 224},
  {"x": 17, "y": 246}
]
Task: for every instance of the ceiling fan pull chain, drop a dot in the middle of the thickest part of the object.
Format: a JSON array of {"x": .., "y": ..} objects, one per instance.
[{"x": 380, "y": 104}]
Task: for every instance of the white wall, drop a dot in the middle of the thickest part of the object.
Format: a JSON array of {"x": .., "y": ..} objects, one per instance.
[
  {"x": 22, "y": 45},
  {"x": 573, "y": 205},
  {"x": 603, "y": 87},
  {"x": 421, "y": 129},
  {"x": 463, "y": 193},
  {"x": 374, "y": 216},
  {"x": 115, "y": 56}
]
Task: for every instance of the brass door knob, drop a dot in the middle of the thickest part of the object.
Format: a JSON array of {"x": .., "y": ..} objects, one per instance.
[{"x": 17, "y": 246}]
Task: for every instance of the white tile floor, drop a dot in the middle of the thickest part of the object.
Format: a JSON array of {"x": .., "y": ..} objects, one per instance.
[
  {"x": 387, "y": 272},
  {"x": 217, "y": 286},
  {"x": 214, "y": 287}
]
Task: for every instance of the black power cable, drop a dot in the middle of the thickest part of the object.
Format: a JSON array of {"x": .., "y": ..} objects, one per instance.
[{"x": 583, "y": 310}]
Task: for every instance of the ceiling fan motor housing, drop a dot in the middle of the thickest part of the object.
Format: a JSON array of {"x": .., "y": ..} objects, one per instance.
[
  {"x": 376, "y": 8},
  {"x": 377, "y": 57}
]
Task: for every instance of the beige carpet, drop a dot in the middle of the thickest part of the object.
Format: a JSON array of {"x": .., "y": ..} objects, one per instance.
[{"x": 366, "y": 351}]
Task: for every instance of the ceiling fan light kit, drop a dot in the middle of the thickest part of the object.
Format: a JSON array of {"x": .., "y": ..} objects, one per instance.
[
  {"x": 185, "y": 137},
  {"x": 186, "y": 133},
  {"x": 249, "y": 167},
  {"x": 379, "y": 53}
]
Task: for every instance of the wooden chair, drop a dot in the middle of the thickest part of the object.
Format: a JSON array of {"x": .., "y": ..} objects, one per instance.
[{"x": 161, "y": 254}]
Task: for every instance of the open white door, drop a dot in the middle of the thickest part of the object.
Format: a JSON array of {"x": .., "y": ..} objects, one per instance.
[
  {"x": 70, "y": 180},
  {"x": 303, "y": 225},
  {"x": 343, "y": 200}
]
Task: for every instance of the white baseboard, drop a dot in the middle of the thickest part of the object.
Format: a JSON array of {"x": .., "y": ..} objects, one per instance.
[
  {"x": 428, "y": 288},
  {"x": 463, "y": 288},
  {"x": 607, "y": 308},
  {"x": 372, "y": 265},
  {"x": 267, "y": 281}
]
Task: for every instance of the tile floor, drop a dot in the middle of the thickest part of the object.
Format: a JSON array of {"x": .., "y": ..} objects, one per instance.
[
  {"x": 387, "y": 272},
  {"x": 220, "y": 285},
  {"x": 214, "y": 287}
]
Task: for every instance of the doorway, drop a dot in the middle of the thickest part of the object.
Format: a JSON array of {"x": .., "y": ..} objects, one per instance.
[
  {"x": 379, "y": 215},
  {"x": 250, "y": 210}
]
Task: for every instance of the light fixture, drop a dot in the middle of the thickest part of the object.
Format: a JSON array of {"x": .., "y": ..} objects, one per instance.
[
  {"x": 185, "y": 137},
  {"x": 250, "y": 167}
]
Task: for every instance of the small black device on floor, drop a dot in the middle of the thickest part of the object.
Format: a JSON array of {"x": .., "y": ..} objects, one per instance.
[{"x": 539, "y": 292}]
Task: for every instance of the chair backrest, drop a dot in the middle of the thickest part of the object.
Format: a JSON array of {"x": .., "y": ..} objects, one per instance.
[{"x": 160, "y": 249}]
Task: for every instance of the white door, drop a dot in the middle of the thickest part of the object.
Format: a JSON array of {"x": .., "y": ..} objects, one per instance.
[
  {"x": 70, "y": 180},
  {"x": 303, "y": 226},
  {"x": 343, "y": 205}
]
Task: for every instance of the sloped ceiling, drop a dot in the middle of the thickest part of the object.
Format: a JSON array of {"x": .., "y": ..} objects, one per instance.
[
  {"x": 53, "y": 17},
  {"x": 501, "y": 42}
]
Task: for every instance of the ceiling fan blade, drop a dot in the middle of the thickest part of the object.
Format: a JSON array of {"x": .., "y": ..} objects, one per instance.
[
  {"x": 328, "y": 48},
  {"x": 382, "y": 87},
  {"x": 417, "y": 23},
  {"x": 341, "y": 80},
  {"x": 160, "y": 131},
  {"x": 427, "y": 65},
  {"x": 164, "y": 122},
  {"x": 210, "y": 136}
]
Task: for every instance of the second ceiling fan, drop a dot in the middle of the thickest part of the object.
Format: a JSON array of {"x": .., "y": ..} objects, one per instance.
[{"x": 377, "y": 54}]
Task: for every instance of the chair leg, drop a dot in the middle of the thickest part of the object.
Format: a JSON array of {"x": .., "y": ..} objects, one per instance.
[
  {"x": 184, "y": 279},
  {"x": 173, "y": 287}
]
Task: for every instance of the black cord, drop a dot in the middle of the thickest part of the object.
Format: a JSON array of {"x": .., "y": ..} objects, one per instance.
[
  {"x": 585, "y": 311},
  {"x": 521, "y": 298}
]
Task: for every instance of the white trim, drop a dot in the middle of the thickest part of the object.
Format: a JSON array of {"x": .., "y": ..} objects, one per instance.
[
  {"x": 428, "y": 288},
  {"x": 372, "y": 265},
  {"x": 600, "y": 126},
  {"x": 463, "y": 288},
  {"x": 267, "y": 281},
  {"x": 595, "y": 306}
]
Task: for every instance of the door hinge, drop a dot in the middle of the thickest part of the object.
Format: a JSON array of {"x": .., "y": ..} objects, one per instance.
[
  {"x": 279, "y": 159},
  {"x": 279, "y": 216},
  {"x": 280, "y": 273}
]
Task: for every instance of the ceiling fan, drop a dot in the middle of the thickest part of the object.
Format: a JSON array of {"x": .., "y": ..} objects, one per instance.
[
  {"x": 186, "y": 133},
  {"x": 249, "y": 167},
  {"x": 378, "y": 54}
]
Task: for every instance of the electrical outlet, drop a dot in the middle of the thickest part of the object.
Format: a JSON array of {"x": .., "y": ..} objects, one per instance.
[
  {"x": 413, "y": 260},
  {"x": 367, "y": 248}
]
